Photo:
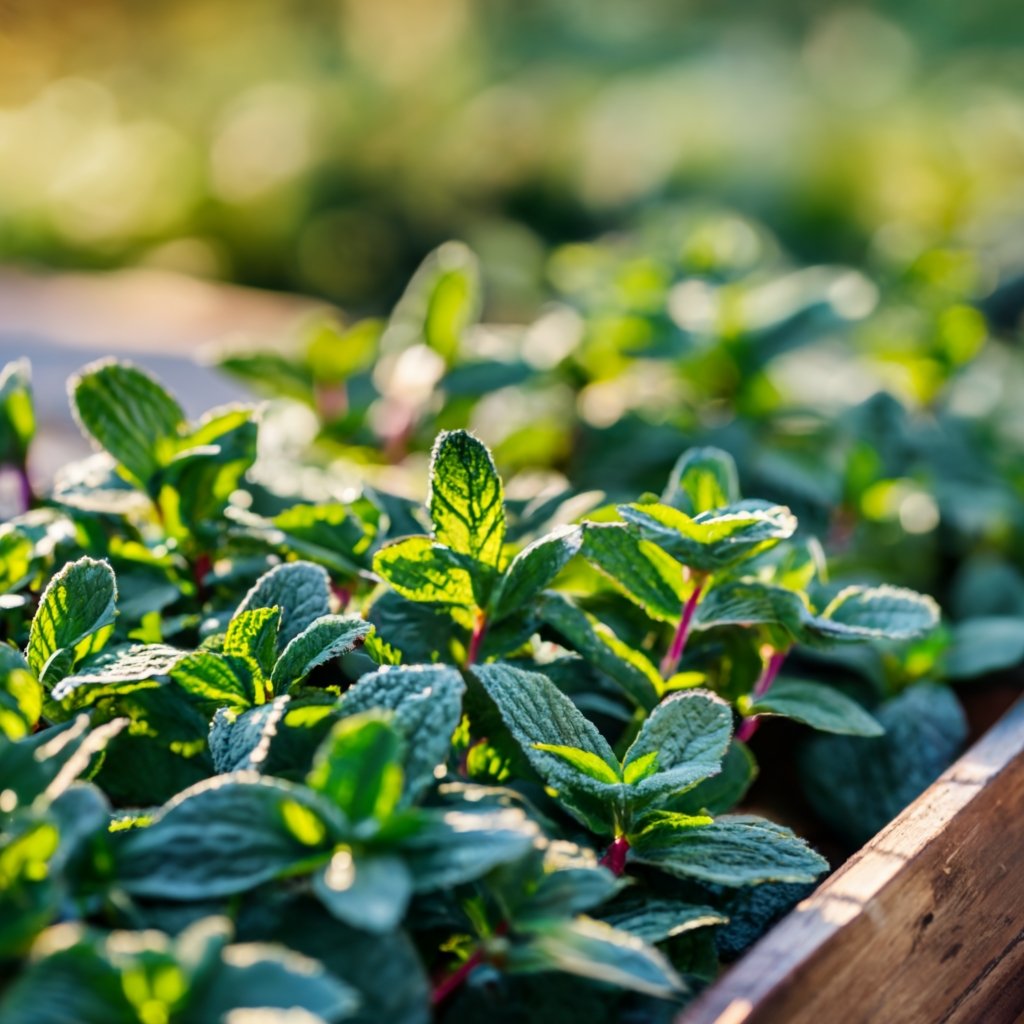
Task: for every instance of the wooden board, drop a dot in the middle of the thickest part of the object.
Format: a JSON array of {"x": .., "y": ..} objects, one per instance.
[{"x": 924, "y": 924}]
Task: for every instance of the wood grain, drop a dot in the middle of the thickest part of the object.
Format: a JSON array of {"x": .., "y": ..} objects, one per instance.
[{"x": 924, "y": 924}]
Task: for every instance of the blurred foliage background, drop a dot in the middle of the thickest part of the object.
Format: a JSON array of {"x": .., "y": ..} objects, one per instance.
[{"x": 327, "y": 146}]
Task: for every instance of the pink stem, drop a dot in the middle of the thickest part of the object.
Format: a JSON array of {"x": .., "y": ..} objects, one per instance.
[
  {"x": 614, "y": 858},
  {"x": 476, "y": 639},
  {"x": 450, "y": 982},
  {"x": 670, "y": 662},
  {"x": 771, "y": 669}
]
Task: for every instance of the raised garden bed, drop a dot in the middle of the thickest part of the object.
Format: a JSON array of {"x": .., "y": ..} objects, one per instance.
[{"x": 925, "y": 923}]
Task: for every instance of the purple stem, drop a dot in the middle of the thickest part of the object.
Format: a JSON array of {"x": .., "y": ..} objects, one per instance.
[
  {"x": 771, "y": 669},
  {"x": 614, "y": 858},
  {"x": 28, "y": 497},
  {"x": 670, "y": 662}
]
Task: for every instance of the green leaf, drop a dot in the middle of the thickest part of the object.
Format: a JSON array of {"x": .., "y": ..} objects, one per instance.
[
  {"x": 17, "y": 415},
  {"x": 687, "y": 736},
  {"x": 368, "y": 892},
  {"x": 358, "y": 767},
  {"x": 533, "y": 569},
  {"x": 458, "y": 846},
  {"x": 334, "y": 535},
  {"x": 329, "y": 637},
  {"x": 74, "y": 618},
  {"x": 583, "y": 761},
  {"x": 702, "y": 480},
  {"x": 300, "y": 589},
  {"x": 732, "y": 851},
  {"x": 129, "y": 414},
  {"x": 598, "y": 645},
  {"x": 749, "y": 603},
  {"x": 814, "y": 704},
  {"x": 641, "y": 570},
  {"x": 21, "y": 696},
  {"x": 890, "y": 613},
  {"x": 427, "y": 705},
  {"x": 252, "y": 635},
  {"x": 712, "y": 541},
  {"x": 226, "y": 835},
  {"x": 421, "y": 570},
  {"x": 466, "y": 499},
  {"x": 218, "y": 680},
  {"x": 655, "y": 920},
  {"x": 454, "y": 301},
  {"x": 984, "y": 645},
  {"x": 241, "y": 742},
  {"x": 594, "y": 949},
  {"x": 721, "y": 792},
  {"x": 857, "y": 786},
  {"x": 115, "y": 670}
]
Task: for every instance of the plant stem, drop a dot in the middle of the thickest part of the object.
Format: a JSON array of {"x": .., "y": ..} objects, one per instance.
[
  {"x": 451, "y": 982},
  {"x": 476, "y": 639},
  {"x": 343, "y": 594},
  {"x": 28, "y": 497},
  {"x": 764, "y": 683},
  {"x": 614, "y": 858},
  {"x": 670, "y": 662}
]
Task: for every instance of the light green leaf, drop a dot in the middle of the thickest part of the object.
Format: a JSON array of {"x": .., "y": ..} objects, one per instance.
[
  {"x": 74, "y": 618},
  {"x": 300, "y": 589},
  {"x": 583, "y": 761},
  {"x": 21, "y": 696},
  {"x": 368, "y": 892},
  {"x": 219, "y": 680},
  {"x": 598, "y": 645},
  {"x": 533, "y": 569},
  {"x": 226, "y": 835},
  {"x": 252, "y": 635},
  {"x": 466, "y": 500},
  {"x": 712, "y": 541},
  {"x": 688, "y": 735},
  {"x": 329, "y": 637},
  {"x": 594, "y": 949},
  {"x": 702, "y": 480},
  {"x": 358, "y": 767},
  {"x": 427, "y": 705},
  {"x": 333, "y": 535},
  {"x": 129, "y": 414},
  {"x": 732, "y": 851},
  {"x": 17, "y": 415},
  {"x": 814, "y": 704},
  {"x": 421, "y": 570},
  {"x": 641, "y": 570}
]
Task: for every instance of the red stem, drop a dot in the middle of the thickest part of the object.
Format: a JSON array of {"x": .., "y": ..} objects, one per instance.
[
  {"x": 614, "y": 858},
  {"x": 202, "y": 565},
  {"x": 476, "y": 639},
  {"x": 764, "y": 683},
  {"x": 450, "y": 982},
  {"x": 670, "y": 662},
  {"x": 343, "y": 594}
]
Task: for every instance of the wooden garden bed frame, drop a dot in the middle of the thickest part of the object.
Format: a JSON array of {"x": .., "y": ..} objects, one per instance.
[{"x": 924, "y": 924}]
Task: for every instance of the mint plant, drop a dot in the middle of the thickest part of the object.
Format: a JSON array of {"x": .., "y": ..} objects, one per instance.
[{"x": 248, "y": 738}]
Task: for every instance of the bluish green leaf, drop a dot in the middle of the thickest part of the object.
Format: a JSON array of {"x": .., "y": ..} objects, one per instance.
[
  {"x": 300, "y": 589},
  {"x": 370, "y": 892},
  {"x": 329, "y": 637},
  {"x": 815, "y": 704}
]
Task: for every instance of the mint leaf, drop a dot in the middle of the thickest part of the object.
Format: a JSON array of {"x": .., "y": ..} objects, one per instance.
[
  {"x": 370, "y": 892},
  {"x": 421, "y": 570},
  {"x": 224, "y": 836},
  {"x": 21, "y": 696},
  {"x": 466, "y": 500},
  {"x": 17, "y": 415},
  {"x": 327, "y": 638},
  {"x": 241, "y": 742},
  {"x": 533, "y": 569},
  {"x": 702, "y": 479},
  {"x": 983, "y": 645},
  {"x": 300, "y": 589},
  {"x": 357, "y": 767},
  {"x": 655, "y": 920},
  {"x": 891, "y": 613},
  {"x": 641, "y": 570},
  {"x": 815, "y": 704},
  {"x": 857, "y": 786},
  {"x": 715, "y": 540},
  {"x": 74, "y": 618},
  {"x": 732, "y": 851},
  {"x": 252, "y": 635},
  {"x": 218, "y": 680},
  {"x": 594, "y": 949},
  {"x": 334, "y": 535},
  {"x": 129, "y": 414},
  {"x": 116, "y": 670},
  {"x": 427, "y": 705},
  {"x": 583, "y": 761},
  {"x": 683, "y": 740}
]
